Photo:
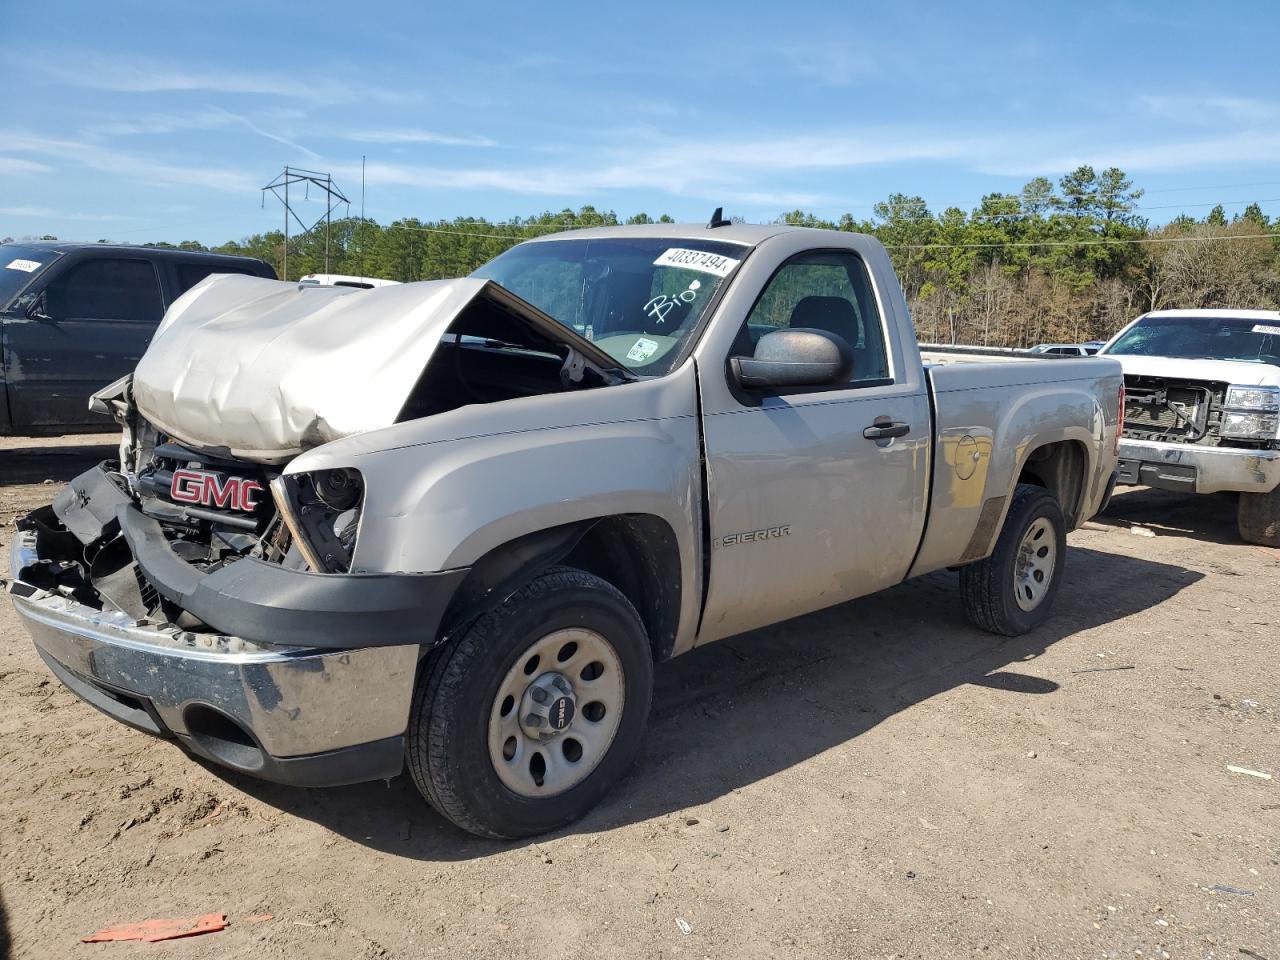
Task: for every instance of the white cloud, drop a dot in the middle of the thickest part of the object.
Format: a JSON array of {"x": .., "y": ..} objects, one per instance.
[
  {"x": 95, "y": 72},
  {"x": 402, "y": 136},
  {"x": 27, "y": 212},
  {"x": 1210, "y": 110},
  {"x": 206, "y": 118},
  {"x": 830, "y": 65},
  {"x": 1211, "y": 151},
  {"x": 16, "y": 166},
  {"x": 151, "y": 124},
  {"x": 45, "y": 213},
  {"x": 94, "y": 156}
]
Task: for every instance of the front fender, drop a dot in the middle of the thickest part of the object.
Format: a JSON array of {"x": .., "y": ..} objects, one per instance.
[{"x": 443, "y": 491}]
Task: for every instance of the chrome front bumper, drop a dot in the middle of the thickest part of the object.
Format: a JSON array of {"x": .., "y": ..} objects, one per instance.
[
  {"x": 291, "y": 714},
  {"x": 1198, "y": 469}
]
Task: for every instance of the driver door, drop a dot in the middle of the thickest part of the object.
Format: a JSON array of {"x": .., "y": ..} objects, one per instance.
[
  {"x": 89, "y": 326},
  {"x": 806, "y": 510}
]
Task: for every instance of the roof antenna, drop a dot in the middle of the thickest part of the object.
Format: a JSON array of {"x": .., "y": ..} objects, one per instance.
[{"x": 718, "y": 220}]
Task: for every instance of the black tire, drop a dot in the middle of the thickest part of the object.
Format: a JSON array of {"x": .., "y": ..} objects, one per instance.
[
  {"x": 988, "y": 587},
  {"x": 1258, "y": 518},
  {"x": 447, "y": 742}
]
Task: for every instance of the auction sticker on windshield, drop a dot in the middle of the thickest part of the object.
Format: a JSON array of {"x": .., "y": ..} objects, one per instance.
[
  {"x": 1265, "y": 328},
  {"x": 642, "y": 350},
  {"x": 696, "y": 260},
  {"x": 29, "y": 266}
]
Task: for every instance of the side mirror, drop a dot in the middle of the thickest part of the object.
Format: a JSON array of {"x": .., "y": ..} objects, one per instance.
[
  {"x": 38, "y": 308},
  {"x": 795, "y": 357}
]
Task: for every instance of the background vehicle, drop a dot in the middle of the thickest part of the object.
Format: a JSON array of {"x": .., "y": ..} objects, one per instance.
[
  {"x": 343, "y": 280},
  {"x": 1065, "y": 349},
  {"x": 459, "y": 521},
  {"x": 1202, "y": 408},
  {"x": 74, "y": 316}
]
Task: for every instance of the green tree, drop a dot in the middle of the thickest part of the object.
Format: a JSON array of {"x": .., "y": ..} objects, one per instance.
[
  {"x": 1079, "y": 191},
  {"x": 1253, "y": 214},
  {"x": 1115, "y": 196}
]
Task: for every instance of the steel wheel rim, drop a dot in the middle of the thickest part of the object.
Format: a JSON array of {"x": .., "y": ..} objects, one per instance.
[
  {"x": 1033, "y": 568},
  {"x": 593, "y": 673}
]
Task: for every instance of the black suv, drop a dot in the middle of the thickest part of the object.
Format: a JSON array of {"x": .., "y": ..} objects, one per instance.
[{"x": 76, "y": 316}]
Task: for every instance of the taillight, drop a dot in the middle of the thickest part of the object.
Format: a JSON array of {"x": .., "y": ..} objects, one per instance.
[{"x": 1120, "y": 419}]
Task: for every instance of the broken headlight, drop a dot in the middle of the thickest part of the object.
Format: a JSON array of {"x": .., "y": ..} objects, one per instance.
[
  {"x": 1252, "y": 413},
  {"x": 322, "y": 512}
]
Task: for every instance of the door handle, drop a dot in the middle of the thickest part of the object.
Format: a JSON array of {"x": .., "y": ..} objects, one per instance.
[{"x": 886, "y": 431}]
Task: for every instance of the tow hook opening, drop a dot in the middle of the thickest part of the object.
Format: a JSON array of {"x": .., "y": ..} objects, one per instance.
[{"x": 222, "y": 738}]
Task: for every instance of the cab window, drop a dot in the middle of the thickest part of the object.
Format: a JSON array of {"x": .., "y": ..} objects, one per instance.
[
  {"x": 189, "y": 274},
  {"x": 824, "y": 290},
  {"x": 106, "y": 289}
]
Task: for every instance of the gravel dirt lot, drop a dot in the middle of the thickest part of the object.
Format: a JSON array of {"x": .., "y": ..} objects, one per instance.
[{"x": 876, "y": 780}]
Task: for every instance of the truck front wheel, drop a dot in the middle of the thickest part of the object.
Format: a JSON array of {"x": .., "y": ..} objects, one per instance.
[
  {"x": 523, "y": 723},
  {"x": 1258, "y": 518},
  {"x": 1012, "y": 591}
]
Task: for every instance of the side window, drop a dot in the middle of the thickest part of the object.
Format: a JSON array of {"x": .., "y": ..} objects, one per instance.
[
  {"x": 189, "y": 274},
  {"x": 106, "y": 289},
  {"x": 824, "y": 290}
]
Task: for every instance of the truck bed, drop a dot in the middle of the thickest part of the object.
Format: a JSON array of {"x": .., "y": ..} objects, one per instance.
[{"x": 988, "y": 412}]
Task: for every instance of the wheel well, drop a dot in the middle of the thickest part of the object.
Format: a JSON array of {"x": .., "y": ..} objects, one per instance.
[
  {"x": 637, "y": 553},
  {"x": 1060, "y": 468}
]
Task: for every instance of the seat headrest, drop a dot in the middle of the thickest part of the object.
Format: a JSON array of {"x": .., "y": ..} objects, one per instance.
[{"x": 832, "y": 314}]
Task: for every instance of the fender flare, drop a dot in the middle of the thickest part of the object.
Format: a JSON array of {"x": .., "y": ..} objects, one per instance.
[{"x": 507, "y": 568}]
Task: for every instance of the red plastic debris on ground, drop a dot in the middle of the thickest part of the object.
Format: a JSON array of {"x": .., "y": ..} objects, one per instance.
[{"x": 153, "y": 931}]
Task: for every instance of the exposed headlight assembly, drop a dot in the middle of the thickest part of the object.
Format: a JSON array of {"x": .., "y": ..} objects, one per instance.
[
  {"x": 322, "y": 512},
  {"x": 1265, "y": 399},
  {"x": 1252, "y": 413}
]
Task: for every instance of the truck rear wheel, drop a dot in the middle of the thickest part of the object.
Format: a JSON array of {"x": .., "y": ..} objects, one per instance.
[
  {"x": 1012, "y": 591},
  {"x": 523, "y": 723},
  {"x": 1258, "y": 518}
]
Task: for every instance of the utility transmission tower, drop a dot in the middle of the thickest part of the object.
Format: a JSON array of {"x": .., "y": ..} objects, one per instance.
[{"x": 333, "y": 196}]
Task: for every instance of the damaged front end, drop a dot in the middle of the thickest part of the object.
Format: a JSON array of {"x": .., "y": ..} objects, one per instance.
[
  {"x": 169, "y": 590},
  {"x": 196, "y": 587}
]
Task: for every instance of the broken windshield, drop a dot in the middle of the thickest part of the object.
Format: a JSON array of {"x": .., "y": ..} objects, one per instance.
[{"x": 637, "y": 298}]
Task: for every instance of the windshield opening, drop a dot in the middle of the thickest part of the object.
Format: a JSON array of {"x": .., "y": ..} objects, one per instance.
[
  {"x": 20, "y": 265},
  {"x": 1201, "y": 338},
  {"x": 639, "y": 299}
]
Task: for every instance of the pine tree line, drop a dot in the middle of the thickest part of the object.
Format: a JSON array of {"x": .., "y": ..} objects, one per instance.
[{"x": 1070, "y": 261}]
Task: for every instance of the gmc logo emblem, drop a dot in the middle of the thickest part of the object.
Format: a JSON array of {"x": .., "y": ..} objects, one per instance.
[{"x": 214, "y": 490}]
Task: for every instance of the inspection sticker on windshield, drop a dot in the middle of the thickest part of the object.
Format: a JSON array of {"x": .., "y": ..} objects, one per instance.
[
  {"x": 696, "y": 260},
  {"x": 30, "y": 266},
  {"x": 1265, "y": 328},
  {"x": 642, "y": 350}
]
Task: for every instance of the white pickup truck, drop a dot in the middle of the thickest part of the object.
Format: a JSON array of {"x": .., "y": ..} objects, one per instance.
[
  {"x": 454, "y": 524},
  {"x": 1202, "y": 408}
]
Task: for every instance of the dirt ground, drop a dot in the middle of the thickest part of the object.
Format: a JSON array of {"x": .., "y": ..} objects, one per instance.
[{"x": 876, "y": 780}]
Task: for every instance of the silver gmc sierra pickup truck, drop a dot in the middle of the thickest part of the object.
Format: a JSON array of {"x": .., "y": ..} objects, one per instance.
[{"x": 454, "y": 524}]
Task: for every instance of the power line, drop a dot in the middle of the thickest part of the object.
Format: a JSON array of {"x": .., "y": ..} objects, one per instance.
[
  {"x": 1050, "y": 200},
  {"x": 1216, "y": 186},
  {"x": 930, "y": 246},
  {"x": 1078, "y": 243}
]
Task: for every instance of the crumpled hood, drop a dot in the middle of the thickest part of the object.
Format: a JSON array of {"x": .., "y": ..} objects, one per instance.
[
  {"x": 264, "y": 370},
  {"x": 1181, "y": 368}
]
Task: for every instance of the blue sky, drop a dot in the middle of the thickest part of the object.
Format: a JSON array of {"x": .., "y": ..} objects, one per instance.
[{"x": 137, "y": 121}]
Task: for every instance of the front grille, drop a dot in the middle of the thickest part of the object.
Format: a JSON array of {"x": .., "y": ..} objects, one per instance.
[
  {"x": 1174, "y": 411},
  {"x": 156, "y": 480}
]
